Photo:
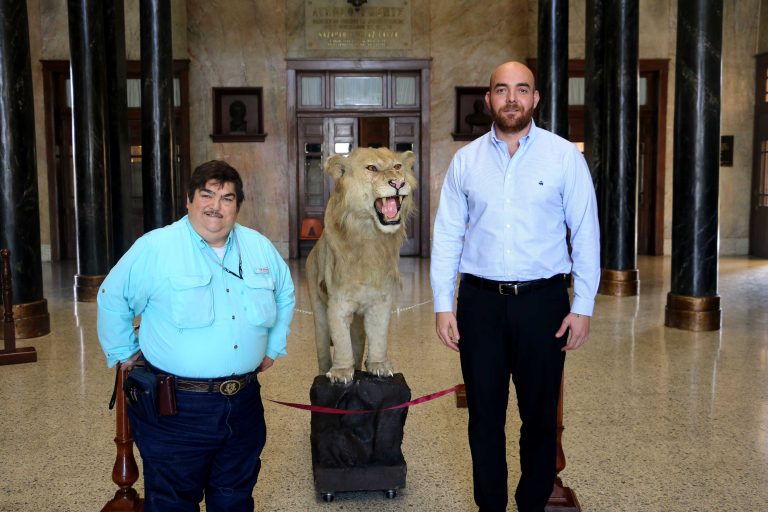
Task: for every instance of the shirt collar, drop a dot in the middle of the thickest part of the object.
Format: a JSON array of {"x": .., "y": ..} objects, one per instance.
[
  {"x": 200, "y": 240},
  {"x": 523, "y": 140}
]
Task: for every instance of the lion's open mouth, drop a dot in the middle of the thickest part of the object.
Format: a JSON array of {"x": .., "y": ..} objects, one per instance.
[{"x": 388, "y": 209}]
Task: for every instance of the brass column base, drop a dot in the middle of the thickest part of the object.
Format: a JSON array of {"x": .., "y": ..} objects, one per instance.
[
  {"x": 693, "y": 313},
  {"x": 619, "y": 283},
  {"x": 31, "y": 319},
  {"x": 87, "y": 287}
]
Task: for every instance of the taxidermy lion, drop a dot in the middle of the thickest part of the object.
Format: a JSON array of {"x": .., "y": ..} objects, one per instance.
[{"x": 352, "y": 271}]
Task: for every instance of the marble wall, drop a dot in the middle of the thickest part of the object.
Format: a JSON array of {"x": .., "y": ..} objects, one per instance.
[
  {"x": 740, "y": 36},
  {"x": 243, "y": 44},
  {"x": 246, "y": 43},
  {"x": 472, "y": 31}
]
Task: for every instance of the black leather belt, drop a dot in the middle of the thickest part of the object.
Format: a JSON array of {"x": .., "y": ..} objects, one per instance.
[
  {"x": 511, "y": 287},
  {"x": 225, "y": 385}
]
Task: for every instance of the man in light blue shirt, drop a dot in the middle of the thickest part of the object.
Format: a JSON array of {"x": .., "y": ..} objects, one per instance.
[
  {"x": 507, "y": 203},
  {"x": 216, "y": 301}
]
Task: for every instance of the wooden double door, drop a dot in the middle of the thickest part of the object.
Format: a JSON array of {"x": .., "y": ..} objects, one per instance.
[{"x": 320, "y": 137}]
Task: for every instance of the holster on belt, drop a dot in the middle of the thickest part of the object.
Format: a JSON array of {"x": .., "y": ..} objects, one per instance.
[{"x": 166, "y": 395}]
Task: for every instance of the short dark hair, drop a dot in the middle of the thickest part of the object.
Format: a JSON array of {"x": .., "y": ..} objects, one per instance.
[{"x": 218, "y": 171}]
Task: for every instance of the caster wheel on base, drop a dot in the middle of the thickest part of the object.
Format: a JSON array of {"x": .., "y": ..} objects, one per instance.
[
  {"x": 327, "y": 497},
  {"x": 390, "y": 493}
]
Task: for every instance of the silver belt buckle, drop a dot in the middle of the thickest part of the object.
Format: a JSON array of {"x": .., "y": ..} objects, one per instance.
[
  {"x": 230, "y": 387},
  {"x": 504, "y": 288}
]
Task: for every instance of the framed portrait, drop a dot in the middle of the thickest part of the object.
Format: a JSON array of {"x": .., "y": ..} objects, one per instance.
[
  {"x": 238, "y": 115},
  {"x": 472, "y": 116}
]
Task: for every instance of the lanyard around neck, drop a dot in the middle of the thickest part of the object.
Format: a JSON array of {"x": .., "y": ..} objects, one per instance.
[{"x": 239, "y": 274}]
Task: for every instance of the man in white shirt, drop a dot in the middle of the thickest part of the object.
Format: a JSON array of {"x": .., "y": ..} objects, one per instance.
[{"x": 506, "y": 204}]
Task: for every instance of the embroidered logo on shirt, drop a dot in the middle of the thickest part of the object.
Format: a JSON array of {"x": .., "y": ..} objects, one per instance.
[
  {"x": 262, "y": 270},
  {"x": 541, "y": 183}
]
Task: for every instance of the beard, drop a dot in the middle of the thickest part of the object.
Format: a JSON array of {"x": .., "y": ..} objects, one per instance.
[{"x": 512, "y": 125}]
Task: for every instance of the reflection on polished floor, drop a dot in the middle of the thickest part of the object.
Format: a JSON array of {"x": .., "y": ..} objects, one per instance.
[{"x": 656, "y": 419}]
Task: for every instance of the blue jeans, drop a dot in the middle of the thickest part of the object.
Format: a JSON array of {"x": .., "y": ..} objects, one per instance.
[{"x": 211, "y": 448}]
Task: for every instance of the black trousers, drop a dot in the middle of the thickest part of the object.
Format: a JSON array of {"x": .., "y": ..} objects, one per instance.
[{"x": 503, "y": 335}]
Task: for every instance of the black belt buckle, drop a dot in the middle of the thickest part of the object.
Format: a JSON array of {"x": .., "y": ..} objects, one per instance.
[{"x": 507, "y": 289}]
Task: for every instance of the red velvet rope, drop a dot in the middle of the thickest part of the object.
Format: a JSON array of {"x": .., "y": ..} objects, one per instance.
[{"x": 331, "y": 410}]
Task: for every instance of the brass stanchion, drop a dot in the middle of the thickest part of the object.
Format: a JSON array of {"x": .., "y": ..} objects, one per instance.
[
  {"x": 125, "y": 472},
  {"x": 10, "y": 354}
]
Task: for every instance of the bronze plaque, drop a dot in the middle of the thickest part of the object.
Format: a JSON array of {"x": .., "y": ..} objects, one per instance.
[{"x": 335, "y": 25}]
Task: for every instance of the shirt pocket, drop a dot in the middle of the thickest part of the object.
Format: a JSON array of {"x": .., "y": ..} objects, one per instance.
[
  {"x": 543, "y": 192},
  {"x": 191, "y": 301},
  {"x": 259, "y": 300}
]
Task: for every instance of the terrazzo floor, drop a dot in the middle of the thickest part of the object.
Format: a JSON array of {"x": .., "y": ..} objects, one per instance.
[{"x": 656, "y": 419}]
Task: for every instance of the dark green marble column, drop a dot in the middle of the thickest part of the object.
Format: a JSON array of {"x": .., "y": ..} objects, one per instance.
[
  {"x": 117, "y": 104},
  {"x": 157, "y": 152},
  {"x": 618, "y": 181},
  {"x": 19, "y": 209},
  {"x": 552, "y": 67},
  {"x": 594, "y": 80},
  {"x": 693, "y": 302},
  {"x": 89, "y": 113}
]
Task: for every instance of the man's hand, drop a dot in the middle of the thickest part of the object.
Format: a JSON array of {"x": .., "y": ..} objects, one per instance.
[
  {"x": 579, "y": 325},
  {"x": 447, "y": 331},
  {"x": 128, "y": 363},
  {"x": 266, "y": 363}
]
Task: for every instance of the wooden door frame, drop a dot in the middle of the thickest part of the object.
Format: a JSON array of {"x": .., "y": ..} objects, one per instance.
[
  {"x": 295, "y": 66},
  {"x": 758, "y": 215}
]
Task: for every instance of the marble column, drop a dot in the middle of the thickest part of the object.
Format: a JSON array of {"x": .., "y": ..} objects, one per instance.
[
  {"x": 157, "y": 152},
  {"x": 618, "y": 191},
  {"x": 552, "y": 67},
  {"x": 117, "y": 104},
  {"x": 693, "y": 302},
  {"x": 19, "y": 210},
  {"x": 89, "y": 119},
  {"x": 594, "y": 78}
]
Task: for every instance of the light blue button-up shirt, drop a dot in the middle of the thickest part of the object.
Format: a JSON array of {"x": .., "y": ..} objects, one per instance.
[
  {"x": 505, "y": 218},
  {"x": 197, "y": 320}
]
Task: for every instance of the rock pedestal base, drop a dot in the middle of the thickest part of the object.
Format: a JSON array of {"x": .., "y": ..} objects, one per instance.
[{"x": 359, "y": 452}]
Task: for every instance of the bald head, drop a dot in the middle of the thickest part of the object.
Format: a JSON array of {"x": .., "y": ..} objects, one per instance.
[
  {"x": 512, "y": 98},
  {"x": 512, "y": 74}
]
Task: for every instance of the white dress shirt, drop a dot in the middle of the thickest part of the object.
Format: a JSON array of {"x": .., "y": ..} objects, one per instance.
[{"x": 504, "y": 217}]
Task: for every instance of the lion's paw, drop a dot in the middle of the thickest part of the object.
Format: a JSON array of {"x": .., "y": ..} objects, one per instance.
[
  {"x": 380, "y": 369},
  {"x": 343, "y": 375}
]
